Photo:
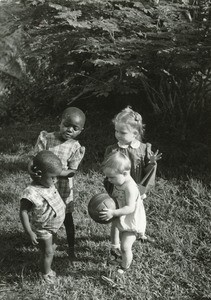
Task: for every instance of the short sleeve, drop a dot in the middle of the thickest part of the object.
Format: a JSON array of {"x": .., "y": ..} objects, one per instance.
[
  {"x": 30, "y": 195},
  {"x": 75, "y": 158},
  {"x": 41, "y": 142},
  {"x": 108, "y": 150}
]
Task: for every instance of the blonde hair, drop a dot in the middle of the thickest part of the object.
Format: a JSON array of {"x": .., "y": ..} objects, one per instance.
[
  {"x": 117, "y": 161},
  {"x": 131, "y": 118}
]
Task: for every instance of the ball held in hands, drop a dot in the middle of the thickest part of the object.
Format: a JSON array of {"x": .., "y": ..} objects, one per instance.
[{"x": 97, "y": 204}]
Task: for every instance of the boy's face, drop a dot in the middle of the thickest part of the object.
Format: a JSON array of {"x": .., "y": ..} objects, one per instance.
[
  {"x": 71, "y": 126},
  {"x": 48, "y": 178}
]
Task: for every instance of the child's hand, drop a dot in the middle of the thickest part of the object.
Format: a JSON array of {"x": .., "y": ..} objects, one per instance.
[
  {"x": 154, "y": 157},
  {"x": 33, "y": 238},
  {"x": 71, "y": 173},
  {"x": 67, "y": 173},
  {"x": 106, "y": 214},
  {"x": 76, "y": 158}
]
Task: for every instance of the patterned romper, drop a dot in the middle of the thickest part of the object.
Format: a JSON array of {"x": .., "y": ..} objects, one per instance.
[
  {"x": 48, "y": 210},
  {"x": 65, "y": 150},
  {"x": 134, "y": 222}
]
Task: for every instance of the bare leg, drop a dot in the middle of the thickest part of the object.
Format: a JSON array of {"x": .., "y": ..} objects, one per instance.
[
  {"x": 47, "y": 253},
  {"x": 127, "y": 240},
  {"x": 115, "y": 241},
  {"x": 115, "y": 235},
  {"x": 70, "y": 232}
]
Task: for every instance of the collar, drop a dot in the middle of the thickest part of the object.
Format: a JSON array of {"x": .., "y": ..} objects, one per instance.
[{"x": 134, "y": 144}]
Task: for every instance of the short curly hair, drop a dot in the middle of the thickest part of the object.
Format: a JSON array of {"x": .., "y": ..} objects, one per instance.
[
  {"x": 46, "y": 161},
  {"x": 131, "y": 118},
  {"x": 68, "y": 112}
]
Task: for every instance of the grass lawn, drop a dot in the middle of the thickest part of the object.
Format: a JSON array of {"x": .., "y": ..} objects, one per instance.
[{"x": 177, "y": 266}]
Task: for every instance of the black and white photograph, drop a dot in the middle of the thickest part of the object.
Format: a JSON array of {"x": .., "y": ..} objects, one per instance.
[{"x": 105, "y": 150}]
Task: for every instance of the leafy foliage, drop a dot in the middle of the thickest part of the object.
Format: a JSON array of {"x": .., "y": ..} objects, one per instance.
[{"x": 78, "y": 49}]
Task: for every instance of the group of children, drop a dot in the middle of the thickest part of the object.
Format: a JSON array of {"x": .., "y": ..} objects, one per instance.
[{"x": 47, "y": 202}]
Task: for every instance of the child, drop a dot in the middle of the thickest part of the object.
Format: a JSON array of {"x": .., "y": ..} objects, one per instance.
[
  {"x": 63, "y": 144},
  {"x": 129, "y": 131},
  {"x": 129, "y": 217},
  {"x": 47, "y": 210}
]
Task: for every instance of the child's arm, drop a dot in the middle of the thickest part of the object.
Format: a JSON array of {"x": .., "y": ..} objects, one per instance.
[
  {"x": 73, "y": 163},
  {"x": 67, "y": 173},
  {"x": 75, "y": 159},
  {"x": 153, "y": 158},
  {"x": 148, "y": 180},
  {"x": 25, "y": 208},
  {"x": 41, "y": 142},
  {"x": 131, "y": 194}
]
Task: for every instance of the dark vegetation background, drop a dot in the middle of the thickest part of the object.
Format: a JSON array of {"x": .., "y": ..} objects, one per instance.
[{"x": 102, "y": 56}]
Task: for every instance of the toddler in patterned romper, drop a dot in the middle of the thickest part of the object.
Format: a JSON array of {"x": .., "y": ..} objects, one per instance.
[
  {"x": 129, "y": 216},
  {"x": 63, "y": 144},
  {"x": 129, "y": 131},
  {"x": 42, "y": 202}
]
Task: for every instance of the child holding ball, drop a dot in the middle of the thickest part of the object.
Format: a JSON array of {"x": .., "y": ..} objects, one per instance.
[
  {"x": 129, "y": 130},
  {"x": 63, "y": 143},
  {"x": 129, "y": 217},
  {"x": 43, "y": 203}
]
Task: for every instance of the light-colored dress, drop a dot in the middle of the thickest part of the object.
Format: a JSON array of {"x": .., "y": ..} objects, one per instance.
[
  {"x": 134, "y": 222},
  {"x": 65, "y": 150},
  {"x": 48, "y": 210}
]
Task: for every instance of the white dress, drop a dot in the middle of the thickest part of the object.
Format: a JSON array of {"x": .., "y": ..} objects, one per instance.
[{"x": 134, "y": 222}]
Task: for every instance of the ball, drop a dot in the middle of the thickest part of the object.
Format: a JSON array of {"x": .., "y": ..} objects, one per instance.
[{"x": 99, "y": 202}]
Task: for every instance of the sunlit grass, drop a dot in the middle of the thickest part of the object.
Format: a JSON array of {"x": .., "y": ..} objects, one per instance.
[{"x": 177, "y": 266}]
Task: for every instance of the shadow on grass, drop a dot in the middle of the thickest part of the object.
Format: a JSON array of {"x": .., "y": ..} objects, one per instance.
[
  {"x": 16, "y": 253},
  {"x": 18, "y": 256},
  {"x": 94, "y": 238},
  {"x": 83, "y": 248},
  {"x": 14, "y": 166}
]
